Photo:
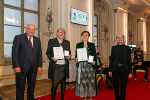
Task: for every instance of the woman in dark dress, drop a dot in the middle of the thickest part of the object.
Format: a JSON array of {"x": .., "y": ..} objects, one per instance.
[
  {"x": 85, "y": 85},
  {"x": 58, "y": 68}
]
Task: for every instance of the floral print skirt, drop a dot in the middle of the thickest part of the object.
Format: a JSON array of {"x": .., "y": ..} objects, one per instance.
[{"x": 85, "y": 85}]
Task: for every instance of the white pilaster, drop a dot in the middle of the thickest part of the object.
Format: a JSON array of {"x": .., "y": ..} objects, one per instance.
[{"x": 120, "y": 19}]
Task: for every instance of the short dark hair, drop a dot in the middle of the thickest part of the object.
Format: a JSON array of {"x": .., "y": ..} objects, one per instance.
[{"x": 85, "y": 32}]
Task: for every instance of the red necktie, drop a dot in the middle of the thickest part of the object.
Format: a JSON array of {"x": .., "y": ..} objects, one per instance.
[{"x": 30, "y": 42}]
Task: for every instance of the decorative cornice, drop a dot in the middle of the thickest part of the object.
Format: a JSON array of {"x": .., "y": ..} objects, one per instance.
[
  {"x": 101, "y": 5},
  {"x": 120, "y": 3}
]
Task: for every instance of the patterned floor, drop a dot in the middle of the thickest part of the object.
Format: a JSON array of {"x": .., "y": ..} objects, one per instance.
[{"x": 42, "y": 89}]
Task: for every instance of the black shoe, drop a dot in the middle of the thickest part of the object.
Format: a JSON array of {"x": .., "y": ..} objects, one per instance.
[
  {"x": 110, "y": 85},
  {"x": 145, "y": 80}
]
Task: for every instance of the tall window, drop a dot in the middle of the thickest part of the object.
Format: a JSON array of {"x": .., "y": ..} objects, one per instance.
[
  {"x": 17, "y": 14},
  {"x": 95, "y": 31}
]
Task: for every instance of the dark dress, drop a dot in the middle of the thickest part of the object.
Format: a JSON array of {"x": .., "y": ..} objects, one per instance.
[
  {"x": 85, "y": 85},
  {"x": 58, "y": 72},
  {"x": 120, "y": 66}
]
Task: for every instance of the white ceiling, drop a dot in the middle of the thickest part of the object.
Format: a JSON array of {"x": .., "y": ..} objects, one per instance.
[{"x": 140, "y": 6}]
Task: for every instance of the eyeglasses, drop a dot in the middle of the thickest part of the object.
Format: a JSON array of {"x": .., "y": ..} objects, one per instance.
[
  {"x": 61, "y": 33},
  {"x": 120, "y": 37},
  {"x": 30, "y": 29}
]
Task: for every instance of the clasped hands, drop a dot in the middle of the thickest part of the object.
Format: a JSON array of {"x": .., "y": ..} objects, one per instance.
[
  {"x": 68, "y": 57},
  {"x": 76, "y": 60}
]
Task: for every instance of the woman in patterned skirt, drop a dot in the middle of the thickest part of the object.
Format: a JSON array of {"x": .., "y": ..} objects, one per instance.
[{"x": 85, "y": 85}]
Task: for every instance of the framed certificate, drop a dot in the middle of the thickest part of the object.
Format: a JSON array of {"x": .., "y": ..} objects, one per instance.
[
  {"x": 66, "y": 52},
  {"x": 58, "y": 53},
  {"x": 91, "y": 58},
  {"x": 82, "y": 54}
]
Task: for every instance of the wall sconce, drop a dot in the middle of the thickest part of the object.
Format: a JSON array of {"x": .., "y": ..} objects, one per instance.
[
  {"x": 105, "y": 31},
  {"x": 130, "y": 38},
  {"x": 49, "y": 20}
]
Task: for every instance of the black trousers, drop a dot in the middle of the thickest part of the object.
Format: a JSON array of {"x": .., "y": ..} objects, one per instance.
[
  {"x": 20, "y": 84},
  {"x": 140, "y": 67},
  {"x": 58, "y": 77},
  {"x": 120, "y": 78}
]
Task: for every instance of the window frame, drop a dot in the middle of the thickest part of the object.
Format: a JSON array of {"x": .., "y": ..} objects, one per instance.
[
  {"x": 3, "y": 60},
  {"x": 97, "y": 32}
]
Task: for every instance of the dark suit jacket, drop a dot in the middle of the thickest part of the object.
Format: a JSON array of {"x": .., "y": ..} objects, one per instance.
[
  {"x": 55, "y": 43},
  {"x": 114, "y": 59},
  {"x": 24, "y": 56}
]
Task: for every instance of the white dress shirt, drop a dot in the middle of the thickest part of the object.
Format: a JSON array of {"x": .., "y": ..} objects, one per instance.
[{"x": 31, "y": 40}]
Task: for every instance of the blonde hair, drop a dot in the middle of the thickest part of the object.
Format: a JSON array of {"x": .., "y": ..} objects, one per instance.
[
  {"x": 62, "y": 29},
  {"x": 120, "y": 34},
  {"x": 29, "y": 25}
]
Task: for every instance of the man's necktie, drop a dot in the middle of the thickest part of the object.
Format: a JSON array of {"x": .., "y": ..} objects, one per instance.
[{"x": 30, "y": 42}]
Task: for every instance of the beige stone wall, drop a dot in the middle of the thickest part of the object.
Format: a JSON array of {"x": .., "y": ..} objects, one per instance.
[
  {"x": 132, "y": 27},
  {"x": 74, "y": 30},
  {"x": 7, "y": 75},
  {"x": 103, "y": 11},
  {"x": 147, "y": 54},
  {"x": 148, "y": 36}
]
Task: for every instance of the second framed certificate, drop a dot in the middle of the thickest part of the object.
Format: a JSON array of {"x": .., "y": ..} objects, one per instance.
[{"x": 82, "y": 54}]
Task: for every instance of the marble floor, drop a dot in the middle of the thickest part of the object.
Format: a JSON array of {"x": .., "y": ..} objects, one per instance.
[{"x": 42, "y": 89}]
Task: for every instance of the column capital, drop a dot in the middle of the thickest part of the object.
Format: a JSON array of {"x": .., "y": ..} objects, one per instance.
[
  {"x": 141, "y": 16},
  {"x": 119, "y": 3}
]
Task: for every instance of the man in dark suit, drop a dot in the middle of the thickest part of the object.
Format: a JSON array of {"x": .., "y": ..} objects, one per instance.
[
  {"x": 58, "y": 68},
  {"x": 120, "y": 67},
  {"x": 26, "y": 60}
]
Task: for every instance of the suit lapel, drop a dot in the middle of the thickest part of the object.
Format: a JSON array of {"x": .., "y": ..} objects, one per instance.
[
  {"x": 81, "y": 45},
  {"x": 57, "y": 42},
  {"x": 63, "y": 44},
  {"x": 34, "y": 42},
  {"x": 26, "y": 40}
]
